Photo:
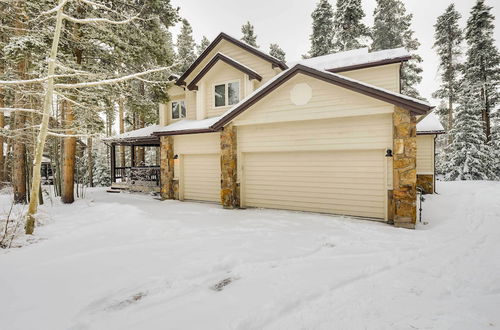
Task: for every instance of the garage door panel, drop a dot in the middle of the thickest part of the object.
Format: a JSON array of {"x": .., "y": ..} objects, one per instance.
[
  {"x": 342, "y": 182},
  {"x": 201, "y": 177}
]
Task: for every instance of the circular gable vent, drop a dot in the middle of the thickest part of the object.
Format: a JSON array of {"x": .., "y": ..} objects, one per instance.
[{"x": 301, "y": 94}]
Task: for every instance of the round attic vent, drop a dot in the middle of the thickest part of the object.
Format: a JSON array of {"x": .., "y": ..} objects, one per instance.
[{"x": 301, "y": 94}]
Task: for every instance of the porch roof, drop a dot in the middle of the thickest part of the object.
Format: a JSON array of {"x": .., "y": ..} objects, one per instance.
[{"x": 141, "y": 136}]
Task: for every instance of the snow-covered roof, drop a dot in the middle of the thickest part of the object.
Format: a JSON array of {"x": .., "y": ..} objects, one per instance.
[
  {"x": 188, "y": 125},
  {"x": 353, "y": 58},
  {"x": 135, "y": 135},
  {"x": 430, "y": 124}
]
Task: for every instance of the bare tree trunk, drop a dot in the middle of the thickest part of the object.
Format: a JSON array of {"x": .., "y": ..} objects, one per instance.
[
  {"x": 90, "y": 162},
  {"x": 141, "y": 155},
  {"x": 2, "y": 158},
  {"x": 42, "y": 135},
  {"x": 121, "y": 114},
  {"x": 69, "y": 151},
  {"x": 19, "y": 165}
]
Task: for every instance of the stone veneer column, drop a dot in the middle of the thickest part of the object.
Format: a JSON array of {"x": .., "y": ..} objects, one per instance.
[
  {"x": 229, "y": 193},
  {"x": 404, "y": 168},
  {"x": 167, "y": 167}
]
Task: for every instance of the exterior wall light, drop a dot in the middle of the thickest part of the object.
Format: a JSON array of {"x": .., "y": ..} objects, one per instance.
[{"x": 388, "y": 153}]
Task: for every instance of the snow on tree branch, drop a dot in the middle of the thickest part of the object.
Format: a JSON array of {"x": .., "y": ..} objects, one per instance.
[
  {"x": 110, "y": 81},
  {"x": 20, "y": 109},
  {"x": 98, "y": 20}
]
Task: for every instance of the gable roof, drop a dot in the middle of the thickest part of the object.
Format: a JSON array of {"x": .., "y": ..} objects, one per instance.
[
  {"x": 223, "y": 36},
  {"x": 356, "y": 59},
  {"x": 416, "y": 106},
  {"x": 221, "y": 57}
]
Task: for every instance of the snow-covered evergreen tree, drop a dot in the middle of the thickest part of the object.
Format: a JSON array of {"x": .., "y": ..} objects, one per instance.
[
  {"x": 249, "y": 35},
  {"x": 185, "y": 47},
  {"x": 482, "y": 67},
  {"x": 204, "y": 43},
  {"x": 392, "y": 29},
  {"x": 470, "y": 157},
  {"x": 448, "y": 41},
  {"x": 276, "y": 51},
  {"x": 322, "y": 29},
  {"x": 349, "y": 30}
]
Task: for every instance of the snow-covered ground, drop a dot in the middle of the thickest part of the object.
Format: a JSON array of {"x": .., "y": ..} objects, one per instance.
[{"x": 126, "y": 261}]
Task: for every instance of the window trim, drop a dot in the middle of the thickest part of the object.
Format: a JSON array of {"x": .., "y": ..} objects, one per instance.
[
  {"x": 226, "y": 84},
  {"x": 172, "y": 109}
]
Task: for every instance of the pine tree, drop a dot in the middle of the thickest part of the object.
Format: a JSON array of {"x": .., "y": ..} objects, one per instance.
[
  {"x": 349, "y": 30},
  {"x": 495, "y": 142},
  {"x": 249, "y": 35},
  {"x": 448, "y": 41},
  {"x": 276, "y": 51},
  {"x": 322, "y": 35},
  {"x": 204, "y": 43},
  {"x": 392, "y": 29},
  {"x": 470, "y": 155},
  {"x": 185, "y": 47},
  {"x": 482, "y": 67}
]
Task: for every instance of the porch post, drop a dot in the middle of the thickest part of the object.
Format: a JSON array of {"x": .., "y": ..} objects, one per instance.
[
  {"x": 404, "y": 168},
  {"x": 167, "y": 167},
  {"x": 132, "y": 156},
  {"x": 229, "y": 194},
  {"x": 113, "y": 162}
]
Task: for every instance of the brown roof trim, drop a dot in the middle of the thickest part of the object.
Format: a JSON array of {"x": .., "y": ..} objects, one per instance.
[
  {"x": 221, "y": 57},
  {"x": 185, "y": 131},
  {"x": 414, "y": 107},
  {"x": 274, "y": 61},
  {"x": 430, "y": 132},
  {"x": 371, "y": 64}
]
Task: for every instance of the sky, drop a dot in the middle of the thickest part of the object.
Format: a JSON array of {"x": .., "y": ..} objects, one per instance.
[{"x": 289, "y": 23}]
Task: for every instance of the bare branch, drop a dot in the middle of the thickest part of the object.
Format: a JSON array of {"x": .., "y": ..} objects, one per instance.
[
  {"x": 98, "y": 20},
  {"x": 111, "y": 81},
  {"x": 20, "y": 109},
  {"x": 55, "y": 9}
]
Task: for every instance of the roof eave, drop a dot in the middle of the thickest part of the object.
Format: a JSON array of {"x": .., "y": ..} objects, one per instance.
[{"x": 400, "y": 59}]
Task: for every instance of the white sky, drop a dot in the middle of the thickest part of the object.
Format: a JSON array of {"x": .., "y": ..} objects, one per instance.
[{"x": 288, "y": 23}]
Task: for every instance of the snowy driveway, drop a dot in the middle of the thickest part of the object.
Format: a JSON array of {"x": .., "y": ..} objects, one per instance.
[{"x": 131, "y": 262}]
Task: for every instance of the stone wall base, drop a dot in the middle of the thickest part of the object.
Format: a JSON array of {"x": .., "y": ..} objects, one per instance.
[{"x": 426, "y": 182}]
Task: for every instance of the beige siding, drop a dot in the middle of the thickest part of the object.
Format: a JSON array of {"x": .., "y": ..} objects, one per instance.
[
  {"x": 200, "y": 177},
  {"x": 177, "y": 93},
  {"x": 340, "y": 182},
  {"x": 425, "y": 154},
  {"x": 364, "y": 132},
  {"x": 385, "y": 76},
  {"x": 197, "y": 143},
  {"x": 262, "y": 67},
  {"x": 219, "y": 74},
  {"x": 327, "y": 101}
]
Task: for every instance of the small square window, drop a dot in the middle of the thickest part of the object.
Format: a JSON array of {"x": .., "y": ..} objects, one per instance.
[
  {"x": 178, "y": 109},
  {"x": 226, "y": 94}
]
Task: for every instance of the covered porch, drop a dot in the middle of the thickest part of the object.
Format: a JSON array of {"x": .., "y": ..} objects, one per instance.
[{"x": 135, "y": 161}]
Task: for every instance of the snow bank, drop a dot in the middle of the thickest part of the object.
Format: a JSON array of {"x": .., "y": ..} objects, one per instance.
[{"x": 125, "y": 261}]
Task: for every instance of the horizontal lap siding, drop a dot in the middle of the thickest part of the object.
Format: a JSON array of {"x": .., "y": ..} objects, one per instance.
[
  {"x": 201, "y": 177},
  {"x": 385, "y": 76},
  {"x": 208, "y": 143},
  {"x": 366, "y": 132},
  {"x": 327, "y": 101},
  {"x": 425, "y": 154},
  {"x": 341, "y": 182}
]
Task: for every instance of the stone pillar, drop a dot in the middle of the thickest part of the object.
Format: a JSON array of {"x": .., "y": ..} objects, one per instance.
[
  {"x": 229, "y": 193},
  {"x": 404, "y": 168},
  {"x": 426, "y": 182},
  {"x": 167, "y": 167}
]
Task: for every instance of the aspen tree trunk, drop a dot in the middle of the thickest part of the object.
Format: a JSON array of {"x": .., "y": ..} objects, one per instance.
[
  {"x": 42, "y": 135},
  {"x": 90, "y": 162},
  {"x": 121, "y": 114},
  {"x": 2, "y": 158},
  {"x": 69, "y": 151}
]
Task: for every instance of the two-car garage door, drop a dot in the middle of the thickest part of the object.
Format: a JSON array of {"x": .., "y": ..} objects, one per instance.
[{"x": 340, "y": 182}]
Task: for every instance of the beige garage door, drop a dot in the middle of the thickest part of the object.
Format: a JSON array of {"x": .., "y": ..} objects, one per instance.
[
  {"x": 201, "y": 177},
  {"x": 339, "y": 182}
]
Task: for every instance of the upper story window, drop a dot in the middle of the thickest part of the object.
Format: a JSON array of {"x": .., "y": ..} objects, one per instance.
[
  {"x": 227, "y": 94},
  {"x": 178, "y": 109}
]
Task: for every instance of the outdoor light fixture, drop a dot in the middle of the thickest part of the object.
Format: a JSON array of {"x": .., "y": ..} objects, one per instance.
[
  {"x": 176, "y": 156},
  {"x": 388, "y": 153}
]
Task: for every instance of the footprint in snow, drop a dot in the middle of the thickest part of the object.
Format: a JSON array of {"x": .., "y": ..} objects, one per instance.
[{"x": 223, "y": 283}]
